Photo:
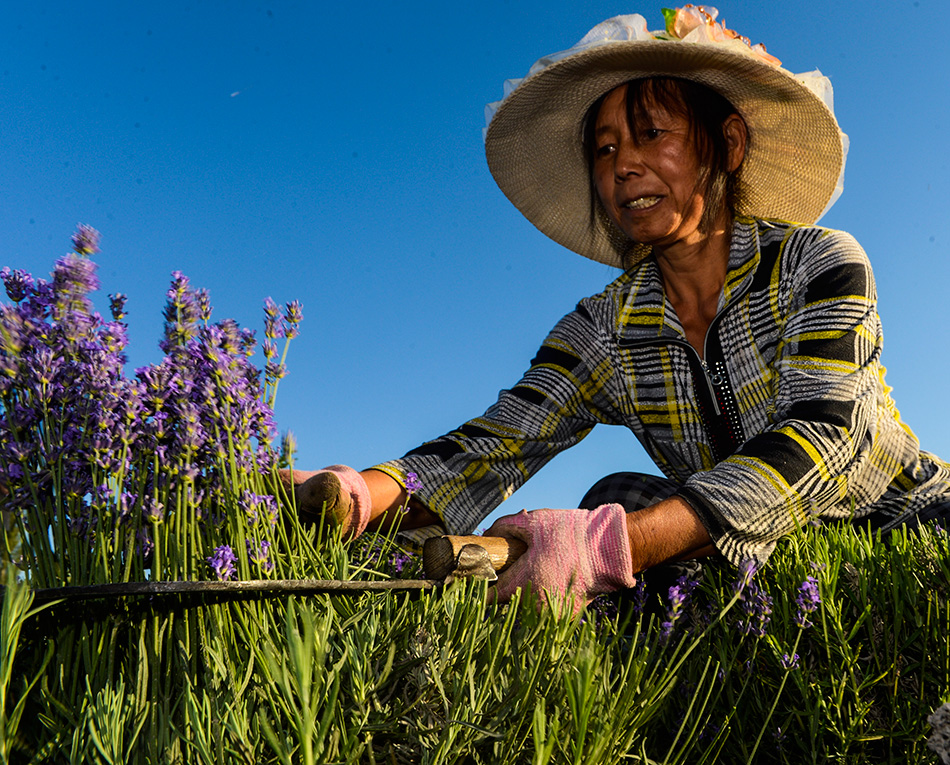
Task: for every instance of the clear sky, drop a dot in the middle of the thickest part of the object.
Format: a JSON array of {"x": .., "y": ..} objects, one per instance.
[{"x": 332, "y": 152}]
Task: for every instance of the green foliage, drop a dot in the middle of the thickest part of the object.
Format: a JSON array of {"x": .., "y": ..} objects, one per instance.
[
  {"x": 873, "y": 665},
  {"x": 447, "y": 678},
  {"x": 15, "y": 613}
]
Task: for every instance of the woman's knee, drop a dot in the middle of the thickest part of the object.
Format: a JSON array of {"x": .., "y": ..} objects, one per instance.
[{"x": 633, "y": 491}]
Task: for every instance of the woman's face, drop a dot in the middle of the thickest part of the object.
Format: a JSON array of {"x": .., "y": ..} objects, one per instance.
[{"x": 650, "y": 186}]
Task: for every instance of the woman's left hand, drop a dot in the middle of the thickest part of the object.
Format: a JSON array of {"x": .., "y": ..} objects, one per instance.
[{"x": 572, "y": 554}]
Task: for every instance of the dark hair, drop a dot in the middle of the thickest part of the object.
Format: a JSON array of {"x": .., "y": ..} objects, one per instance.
[{"x": 706, "y": 112}]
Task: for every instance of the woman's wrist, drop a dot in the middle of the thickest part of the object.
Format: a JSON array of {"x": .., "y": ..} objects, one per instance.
[
  {"x": 667, "y": 531},
  {"x": 391, "y": 504}
]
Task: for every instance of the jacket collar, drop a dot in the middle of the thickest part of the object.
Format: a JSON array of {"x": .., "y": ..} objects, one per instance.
[{"x": 646, "y": 314}]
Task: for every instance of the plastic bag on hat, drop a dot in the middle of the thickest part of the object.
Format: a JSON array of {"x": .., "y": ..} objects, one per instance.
[
  {"x": 820, "y": 85},
  {"x": 618, "y": 29}
]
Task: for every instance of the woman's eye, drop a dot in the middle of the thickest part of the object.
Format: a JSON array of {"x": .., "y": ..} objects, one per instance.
[
  {"x": 651, "y": 134},
  {"x": 606, "y": 150}
]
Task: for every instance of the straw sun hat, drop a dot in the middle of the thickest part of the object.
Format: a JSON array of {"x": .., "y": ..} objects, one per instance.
[{"x": 794, "y": 161}]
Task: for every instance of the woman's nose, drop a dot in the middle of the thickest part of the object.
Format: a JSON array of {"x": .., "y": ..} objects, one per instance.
[{"x": 629, "y": 159}]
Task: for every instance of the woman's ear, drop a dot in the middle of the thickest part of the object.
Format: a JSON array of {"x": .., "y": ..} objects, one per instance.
[{"x": 736, "y": 134}]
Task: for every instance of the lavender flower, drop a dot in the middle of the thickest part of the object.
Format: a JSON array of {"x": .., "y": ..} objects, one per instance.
[
  {"x": 678, "y": 595},
  {"x": 222, "y": 562},
  {"x": 755, "y": 604},
  {"x": 267, "y": 459},
  {"x": 127, "y": 501},
  {"x": 294, "y": 312},
  {"x": 399, "y": 560},
  {"x": 83, "y": 525},
  {"x": 117, "y": 305},
  {"x": 293, "y": 317},
  {"x": 181, "y": 313},
  {"x": 288, "y": 448},
  {"x": 125, "y": 455},
  {"x": 413, "y": 484},
  {"x": 789, "y": 662},
  {"x": 225, "y": 334},
  {"x": 86, "y": 240},
  {"x": 113, "y": 339},
  {"x": 639, "y": 596},
  {"x": 103, "y": 495},
  {"x": 74, "y": 276},
  {"x": 153, "y": 511},
  {"x": 747, "y": 570},
  {"x": 274, "y": 372},
  {"x": 273, "y": 320},
  {"x": 688, "y": 585},
  {"x": 778, "y": 736},
  {"x": 258, "y": 552},
  {"x": 18, "y": 283},
  {"x": 271, "y": 309},
  {"x": 757, "y": 608},
  {"x": 256, "y": 505},
  {"x": 808, "y": 600},
  {"x": 603, "y": 609},
  {"x": 248, "y": 341},
  {"x": 203, "y": 303},
  {"x": 45, "y": 368},
  {"x": 144, "y": 544}
]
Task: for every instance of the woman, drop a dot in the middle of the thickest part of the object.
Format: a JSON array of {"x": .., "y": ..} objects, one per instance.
[{"x": 741, "y": 344}]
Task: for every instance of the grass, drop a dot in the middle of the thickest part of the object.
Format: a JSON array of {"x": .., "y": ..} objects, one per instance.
[{"x": 446, "y": 678}]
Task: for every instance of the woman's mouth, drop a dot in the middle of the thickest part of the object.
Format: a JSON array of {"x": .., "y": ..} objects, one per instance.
[{"x": 640, "y": 203}]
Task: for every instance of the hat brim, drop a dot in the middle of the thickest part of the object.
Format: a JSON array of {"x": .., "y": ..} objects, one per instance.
[{"x": 535, "y": 151}]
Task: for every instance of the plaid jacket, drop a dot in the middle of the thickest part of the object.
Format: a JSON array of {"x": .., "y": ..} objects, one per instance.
[{"x": 785, "y": 417}]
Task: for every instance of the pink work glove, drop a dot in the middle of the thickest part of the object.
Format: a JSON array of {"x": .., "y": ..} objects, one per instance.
[
  {"x": 340, "y": 489},
  {"x": 574, "y": 553}
]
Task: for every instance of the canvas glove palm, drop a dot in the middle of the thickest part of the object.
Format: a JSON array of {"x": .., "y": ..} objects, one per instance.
[{"x": 572, "y": 554}]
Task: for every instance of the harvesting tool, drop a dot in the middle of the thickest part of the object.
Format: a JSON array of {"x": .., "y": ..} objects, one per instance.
[{"x": 445, "y": 559}]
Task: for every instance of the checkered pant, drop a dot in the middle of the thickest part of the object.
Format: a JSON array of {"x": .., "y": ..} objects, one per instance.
[{"x": 634, "y": 491}]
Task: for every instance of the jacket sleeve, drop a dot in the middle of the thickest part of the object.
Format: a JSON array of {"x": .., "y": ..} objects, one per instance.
[
  {"x": 824, "y": 453},
  {"x": 468, "y": 472}
]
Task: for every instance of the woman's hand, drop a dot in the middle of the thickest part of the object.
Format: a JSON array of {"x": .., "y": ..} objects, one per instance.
[
  {"x": 371, "y": 500},
  {"x": 577, "y": 554},
  {"x": 337, "y": 493}
]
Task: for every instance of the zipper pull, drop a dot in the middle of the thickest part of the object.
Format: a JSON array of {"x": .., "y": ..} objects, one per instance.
[{"x": 712, "y": 380}]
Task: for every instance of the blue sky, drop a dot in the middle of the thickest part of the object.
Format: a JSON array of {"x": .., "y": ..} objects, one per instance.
[{"x": 332, "y": 153}]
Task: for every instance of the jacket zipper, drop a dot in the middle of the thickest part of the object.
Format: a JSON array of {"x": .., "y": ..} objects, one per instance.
[
  {"x": 707, "y": 376},
  {"x": 711, "y": 386},
  {"x": 713, "y": 380}
]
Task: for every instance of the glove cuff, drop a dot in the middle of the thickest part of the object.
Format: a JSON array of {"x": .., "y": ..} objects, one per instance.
[
  {"x": 355, "y": 487},
  {"x": 608, "y": 545}
]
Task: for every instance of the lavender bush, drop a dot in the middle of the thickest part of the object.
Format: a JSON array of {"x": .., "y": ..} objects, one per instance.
[{"x": 113, "y": 478}]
